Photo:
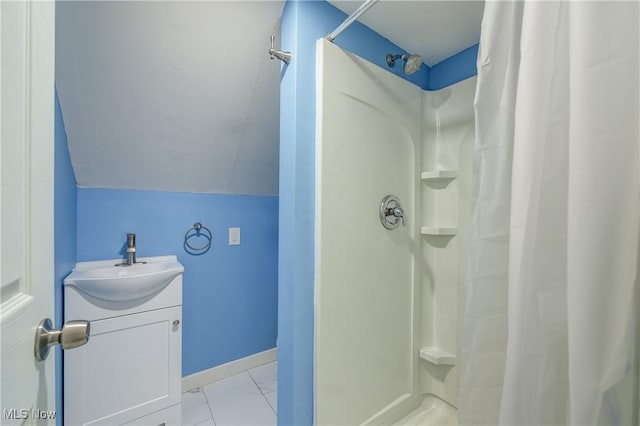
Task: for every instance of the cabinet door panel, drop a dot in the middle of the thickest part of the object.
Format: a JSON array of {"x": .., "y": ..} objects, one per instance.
[{"x": 129, "y": 368}]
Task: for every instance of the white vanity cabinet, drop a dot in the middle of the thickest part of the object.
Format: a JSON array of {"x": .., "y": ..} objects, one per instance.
[{"x": 130, "y": 370}]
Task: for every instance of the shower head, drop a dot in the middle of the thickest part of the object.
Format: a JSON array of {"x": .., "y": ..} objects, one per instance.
[{"x": 411, "y": 62}]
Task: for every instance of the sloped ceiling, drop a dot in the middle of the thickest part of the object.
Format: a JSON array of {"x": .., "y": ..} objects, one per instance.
[
  {"x": 432, "y": 29},
  {"x": 182, "y": 96},
  {"x": 173, "y": 96}
]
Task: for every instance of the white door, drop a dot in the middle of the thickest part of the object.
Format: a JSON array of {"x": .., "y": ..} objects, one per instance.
[{"x": 27, "y": 33}]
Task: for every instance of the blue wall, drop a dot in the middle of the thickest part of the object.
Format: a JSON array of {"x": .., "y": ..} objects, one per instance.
[
  {"x": 230, "y": 292},
  {"x": 65, "y": 225},
  {"x": 454, "y": 69},
  {"x": 304, "y": 22}
]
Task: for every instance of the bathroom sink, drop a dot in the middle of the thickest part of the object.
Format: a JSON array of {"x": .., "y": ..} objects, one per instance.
[{"x": 103, "y": 280}]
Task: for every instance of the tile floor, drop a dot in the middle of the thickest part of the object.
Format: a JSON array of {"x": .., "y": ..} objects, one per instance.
[{"x": 248, "y": 398}]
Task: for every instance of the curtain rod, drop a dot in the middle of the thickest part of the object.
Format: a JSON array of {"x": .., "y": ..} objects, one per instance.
[{"x": 353, "y": 17}]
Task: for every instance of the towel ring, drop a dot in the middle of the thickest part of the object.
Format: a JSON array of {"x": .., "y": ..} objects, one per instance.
[{"x": 198, "y": 227}]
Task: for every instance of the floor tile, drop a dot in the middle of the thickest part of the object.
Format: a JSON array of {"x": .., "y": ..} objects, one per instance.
[
  {"x": 237, "y": 401},
  {"x": 208, "y": 422},
  {"x": 266, "y": 377},
  {"x": 194, "y": 408},
  {"x": 272, "y": 399}
]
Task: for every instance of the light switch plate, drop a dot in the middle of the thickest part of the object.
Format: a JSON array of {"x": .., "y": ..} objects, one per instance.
[{"x": 234, "y": 236}]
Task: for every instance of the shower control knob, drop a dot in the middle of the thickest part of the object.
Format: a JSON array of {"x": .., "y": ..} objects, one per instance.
[
  {"x": 176, "y": 323},
  {"x": 391, "y": 212}
]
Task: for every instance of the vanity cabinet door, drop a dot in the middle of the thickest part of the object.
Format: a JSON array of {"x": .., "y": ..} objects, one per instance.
[{"x": 130, "y": 367}]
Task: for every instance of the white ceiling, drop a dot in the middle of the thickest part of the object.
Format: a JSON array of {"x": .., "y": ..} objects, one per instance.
[
  {"x": 182, "y": 96},
  {"x": 170, "y": 96},
  {"x": 434, "y": 30}
]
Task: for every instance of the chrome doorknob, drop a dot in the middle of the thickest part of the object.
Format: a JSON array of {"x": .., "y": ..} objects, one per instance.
[{"x": 71, "y": 335}]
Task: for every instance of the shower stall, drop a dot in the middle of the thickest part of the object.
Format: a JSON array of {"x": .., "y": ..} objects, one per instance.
[
  {"x": 500, "y": 293},
  {"x": 387, "y": 297}
]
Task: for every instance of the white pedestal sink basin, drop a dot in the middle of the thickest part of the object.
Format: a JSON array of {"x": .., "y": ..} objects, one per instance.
[{"x": 105, "y": 281}]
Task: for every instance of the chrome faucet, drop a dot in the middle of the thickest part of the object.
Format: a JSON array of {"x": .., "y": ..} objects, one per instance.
[
  {"x": 131, "y": 251},
  {"x": 131, "y": 248}
]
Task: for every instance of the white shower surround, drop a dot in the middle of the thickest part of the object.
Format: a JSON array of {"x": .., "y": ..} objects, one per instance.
[{"x": 383, "y": 296}]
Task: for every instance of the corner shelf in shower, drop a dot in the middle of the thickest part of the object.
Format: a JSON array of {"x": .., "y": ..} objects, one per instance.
[
  {"x": 437, "y": 356},
  {"x": 438, "y": 230},
  {"x": 438, "y": 175}
]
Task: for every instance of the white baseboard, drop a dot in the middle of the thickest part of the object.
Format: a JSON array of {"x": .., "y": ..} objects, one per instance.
[{"x": 229, "y": 369}]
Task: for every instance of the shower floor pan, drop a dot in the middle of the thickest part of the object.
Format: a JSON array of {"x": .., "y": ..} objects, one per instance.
[{"x": 433, "y": 411}]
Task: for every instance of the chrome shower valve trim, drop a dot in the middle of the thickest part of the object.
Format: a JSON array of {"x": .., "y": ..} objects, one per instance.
[{"x": 391, "y": 212}]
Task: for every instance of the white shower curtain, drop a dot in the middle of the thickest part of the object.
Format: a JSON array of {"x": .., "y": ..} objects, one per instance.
[{"x": 548, "y": 332}]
